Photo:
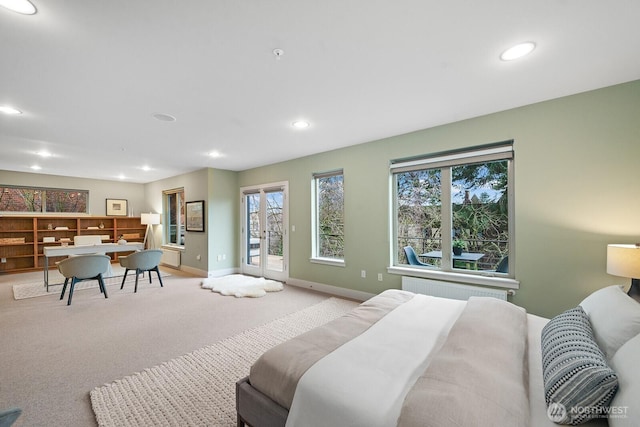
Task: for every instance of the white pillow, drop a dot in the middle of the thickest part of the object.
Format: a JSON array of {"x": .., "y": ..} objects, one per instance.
[
  {"x": 625, "y": 411},
  {"x": 614, "y": 317}
]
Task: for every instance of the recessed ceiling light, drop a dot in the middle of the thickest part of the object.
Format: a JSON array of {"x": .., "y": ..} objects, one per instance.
[
  {"x": 36, "y": 167},
  {"x": 121, "y": 176},
  {"x": 44, "y": 153},
  {"x": 300, "y": 124},
  {"x": 24, "y": 7},
  {"x": 518, "y": 51},
  {"x": 146, "y": 168},
  {"x": 9, "y": 110},
  {"x": 215, "y": 154},
  {"x": 164, "y": 117}
]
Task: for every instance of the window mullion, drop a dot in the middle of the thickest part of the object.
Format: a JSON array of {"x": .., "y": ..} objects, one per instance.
[{"x": 445, "y": 182}]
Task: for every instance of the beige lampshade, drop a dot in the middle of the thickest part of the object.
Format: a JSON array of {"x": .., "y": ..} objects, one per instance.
[
  {"x": 150, "y": 218},
  {"x": 623, "y": 260}
]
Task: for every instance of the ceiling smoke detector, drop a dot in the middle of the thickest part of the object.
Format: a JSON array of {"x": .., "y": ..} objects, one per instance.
[{"x": 278, "y": 53}]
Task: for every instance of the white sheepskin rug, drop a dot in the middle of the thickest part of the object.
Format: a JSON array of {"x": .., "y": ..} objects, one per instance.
[{"x": 240, "y": 286}]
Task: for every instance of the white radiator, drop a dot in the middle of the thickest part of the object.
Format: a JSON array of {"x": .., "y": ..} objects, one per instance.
[
  {"x": 438, "y": 288},
  {"x": 170, "y": 258}
]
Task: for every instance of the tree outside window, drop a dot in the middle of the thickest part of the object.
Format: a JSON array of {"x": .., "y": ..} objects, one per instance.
[
  {"x": 460, "y": 202},
  {"x": 329, "y": 215},
  {"x": 41, "y": 200}
]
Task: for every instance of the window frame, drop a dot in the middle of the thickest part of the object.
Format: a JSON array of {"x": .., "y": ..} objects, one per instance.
[
  {"x": 315, "y": 220},
  {"x": 446, "y": 161},
  {"x": 43, "y": 199},
  {"x": 180, "y": 217}
]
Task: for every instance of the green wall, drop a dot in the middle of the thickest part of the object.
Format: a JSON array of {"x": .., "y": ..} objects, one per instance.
[
  {"x": 575, "y": 182},
  {"x": 223, "y": 220}
]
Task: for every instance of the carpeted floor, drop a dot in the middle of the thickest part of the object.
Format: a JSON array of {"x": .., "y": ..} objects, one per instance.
[
  {"x": 198, "y": 389},
  {"x": 52, "y": 355}
]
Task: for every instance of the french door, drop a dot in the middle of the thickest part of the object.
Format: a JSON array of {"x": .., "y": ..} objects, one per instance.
[{"x": 265, "y": 241}]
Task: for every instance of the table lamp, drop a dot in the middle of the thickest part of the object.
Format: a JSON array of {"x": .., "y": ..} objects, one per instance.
[
  {"x": 149, "y": 219},
  {"x": 624, "y": 261}
]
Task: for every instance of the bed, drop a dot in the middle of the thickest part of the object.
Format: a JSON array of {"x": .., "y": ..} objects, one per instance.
[{"x": 414, "y": 360}]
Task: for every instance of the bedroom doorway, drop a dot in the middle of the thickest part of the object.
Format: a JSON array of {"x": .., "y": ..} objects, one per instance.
[{"x": 265, "y": 240}]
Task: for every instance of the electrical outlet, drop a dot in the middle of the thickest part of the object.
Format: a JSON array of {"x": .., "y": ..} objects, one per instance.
[
  {"x": 363, "y": 274},
  {"x": 380, "y": 277}
]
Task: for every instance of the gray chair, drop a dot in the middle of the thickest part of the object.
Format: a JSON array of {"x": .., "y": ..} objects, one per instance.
[
  {"x": 81, "y": 268},
  {"x": 9, "y": 416},
  {"x": 140, "y": 262},
  {"x": 412, "y": 258}
]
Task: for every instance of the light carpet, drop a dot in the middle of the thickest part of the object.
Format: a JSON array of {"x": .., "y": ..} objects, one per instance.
[
  {"x": 198, "y": 389},
  {"x": 37, "y": 288},
  {"x": 240, "y": 285}
]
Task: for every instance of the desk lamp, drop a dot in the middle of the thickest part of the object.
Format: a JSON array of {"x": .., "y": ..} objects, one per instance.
[
  {"x": 149, "y": 219},
  {"x": 624, "y": 261}
]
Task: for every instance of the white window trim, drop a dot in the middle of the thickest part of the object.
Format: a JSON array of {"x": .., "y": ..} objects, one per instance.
[
  {"x": 339, "y": 262},
  {"x": 328, "y": 261},
  {"x": 498, "y": 151}
]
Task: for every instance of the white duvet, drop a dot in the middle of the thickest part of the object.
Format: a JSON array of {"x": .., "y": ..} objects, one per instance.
[{"x": 348, "y": 386}]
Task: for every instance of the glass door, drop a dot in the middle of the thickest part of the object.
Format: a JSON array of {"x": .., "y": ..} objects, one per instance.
[{"x": 264, "y": 231}]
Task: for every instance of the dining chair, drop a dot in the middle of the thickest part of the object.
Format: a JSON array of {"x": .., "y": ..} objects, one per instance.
[
  {"x": 141, "y": 261},
  {"x": 83, "y": 267}
]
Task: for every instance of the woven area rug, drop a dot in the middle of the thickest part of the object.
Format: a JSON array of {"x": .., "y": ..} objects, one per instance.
[
  {"x": 37, "y": 288},
  {"x": 198, "y": 389}
]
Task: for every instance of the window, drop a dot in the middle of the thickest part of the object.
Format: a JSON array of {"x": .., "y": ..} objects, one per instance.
[
  {"x": 174, "y": 216},
  {"x": 40, "y": 200},
  {"x": 328, "y": 217},
  {"x": 454, "y": 209}
]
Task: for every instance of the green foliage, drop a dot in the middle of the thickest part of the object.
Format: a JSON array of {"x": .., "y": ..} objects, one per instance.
[
  {"x": 330, "y": 194},
  {"x": 479, "y": 209}
]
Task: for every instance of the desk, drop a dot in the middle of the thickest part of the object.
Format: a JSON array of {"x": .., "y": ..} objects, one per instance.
[
  {"x": 466, "y": 257},
  {"x": 53, "y": 251}
]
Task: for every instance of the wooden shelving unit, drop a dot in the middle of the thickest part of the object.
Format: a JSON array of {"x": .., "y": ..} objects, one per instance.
[{"x": 22, "y": 238}]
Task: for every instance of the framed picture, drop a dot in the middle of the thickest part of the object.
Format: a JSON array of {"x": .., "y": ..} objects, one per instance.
[
  {"x": 195, "y": 216},
  {"x": 117, "y": 207}
]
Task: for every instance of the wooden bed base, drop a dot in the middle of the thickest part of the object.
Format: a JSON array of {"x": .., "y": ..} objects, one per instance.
[{"x": 256, "y": 409}]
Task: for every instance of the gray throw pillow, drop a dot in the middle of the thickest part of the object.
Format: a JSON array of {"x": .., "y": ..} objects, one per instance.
[{"x": 578, "y": 383}]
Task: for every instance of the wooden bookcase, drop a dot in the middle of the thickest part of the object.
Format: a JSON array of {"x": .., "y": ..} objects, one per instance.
[{"x": 22, "y": 238}]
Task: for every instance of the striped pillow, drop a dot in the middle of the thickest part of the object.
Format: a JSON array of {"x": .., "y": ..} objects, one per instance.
[{"x": 578, "y": 383}]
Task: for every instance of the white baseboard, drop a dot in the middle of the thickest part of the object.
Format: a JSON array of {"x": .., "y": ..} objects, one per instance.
[
  {"x": 204, "y": 273},
  {"x": 191, "y": 270},
  {"x": 223, "y": 272},
  {"x": 329, "y": 289}
]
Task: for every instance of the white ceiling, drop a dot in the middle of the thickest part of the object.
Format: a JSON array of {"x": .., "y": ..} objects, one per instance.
[{"x": 89, "y": 74}]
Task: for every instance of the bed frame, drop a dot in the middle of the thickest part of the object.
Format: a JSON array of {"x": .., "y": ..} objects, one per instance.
[{"x": 256, "y": 409}]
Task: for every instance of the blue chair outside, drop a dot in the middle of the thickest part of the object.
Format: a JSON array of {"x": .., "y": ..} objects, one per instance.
[
  {"x": 412, "y": 258},
  {"x": 503, "y": 265}
]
